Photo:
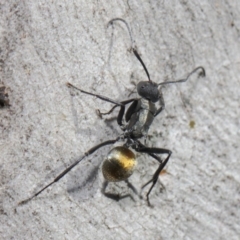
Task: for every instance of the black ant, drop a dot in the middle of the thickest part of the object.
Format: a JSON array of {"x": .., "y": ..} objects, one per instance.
[{"x": 120, "y": 161}]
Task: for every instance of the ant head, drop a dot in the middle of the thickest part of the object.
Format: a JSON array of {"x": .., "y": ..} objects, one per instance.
[{"x": 148, "y": 90}]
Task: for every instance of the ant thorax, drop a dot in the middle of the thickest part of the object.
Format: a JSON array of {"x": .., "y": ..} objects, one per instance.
[{"x": 141, "y": 119}]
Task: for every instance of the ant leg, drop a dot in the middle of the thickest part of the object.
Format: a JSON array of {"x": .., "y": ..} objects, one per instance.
[
  {"x": 131, "y": 187},
  {"x": 110, "y": 111},
  {"x": 152, "y": 152},
  {"x": 106, "y": 113},
  {"x": 117, "y": 104},
  {"x": 96, "y": 95},
  {"x": 132, "y": 109},
  {"x": 129, "y": 112},
  {"x": 62, "y": 174}
]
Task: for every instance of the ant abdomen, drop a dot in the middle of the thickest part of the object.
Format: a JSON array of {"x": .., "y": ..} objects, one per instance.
[{"x": 119, "y": 164}]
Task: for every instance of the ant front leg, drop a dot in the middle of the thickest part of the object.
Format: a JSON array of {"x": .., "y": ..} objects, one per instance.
[
  {"x": 100, "y": 114},
  {"x": 96, "y": 95},
  {"x": 117, "y": 104},
  {"x": 122, "y": 110},
  {"x": 152, "y": 152},
  {"x": 129, "y": 112}
]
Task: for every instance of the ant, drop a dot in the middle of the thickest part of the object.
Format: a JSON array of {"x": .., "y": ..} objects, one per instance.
[{"x": 120, "y": 161}]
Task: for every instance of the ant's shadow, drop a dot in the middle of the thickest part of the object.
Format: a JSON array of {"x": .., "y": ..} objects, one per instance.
[{"x": 83, "y": 182}]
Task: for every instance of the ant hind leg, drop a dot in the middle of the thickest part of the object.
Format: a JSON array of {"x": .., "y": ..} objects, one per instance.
[{"x": 152, "y": 152}]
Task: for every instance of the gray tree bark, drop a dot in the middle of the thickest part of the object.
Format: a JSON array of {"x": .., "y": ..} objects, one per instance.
[{"x": 45, "y": 44}]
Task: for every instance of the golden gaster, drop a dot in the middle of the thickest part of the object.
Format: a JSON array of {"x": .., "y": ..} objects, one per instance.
[{"x": 119, "y": 164}]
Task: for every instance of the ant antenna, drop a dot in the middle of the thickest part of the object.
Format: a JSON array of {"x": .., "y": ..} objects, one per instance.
[
  {"x": 202, "y": 74},
  {"x": 129, "y": 29},
  {"x": 140, "y": 60},
  {"x": 132, "y": 45}
]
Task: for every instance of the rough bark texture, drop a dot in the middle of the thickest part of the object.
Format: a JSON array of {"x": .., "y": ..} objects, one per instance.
[{"x": 44, "y": 44}]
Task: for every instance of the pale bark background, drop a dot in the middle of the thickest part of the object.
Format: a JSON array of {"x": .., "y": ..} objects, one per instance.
[{"x": 44, "y": 44}]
